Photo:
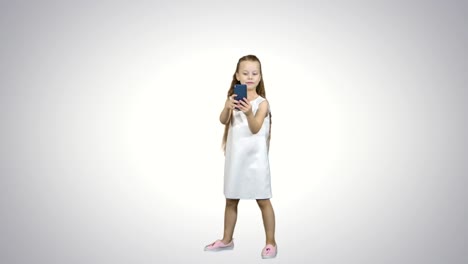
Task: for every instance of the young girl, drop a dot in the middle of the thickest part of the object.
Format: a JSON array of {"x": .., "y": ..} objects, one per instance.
[{"x": 246, "y": 144}]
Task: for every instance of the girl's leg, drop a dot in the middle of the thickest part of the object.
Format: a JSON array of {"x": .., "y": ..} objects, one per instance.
[
  {"x": 268, "y": 216},
  {"x": 230, "y": 218}
]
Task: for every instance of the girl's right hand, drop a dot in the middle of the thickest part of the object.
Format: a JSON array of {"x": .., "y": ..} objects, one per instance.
[{"x": 231, "y": 102}]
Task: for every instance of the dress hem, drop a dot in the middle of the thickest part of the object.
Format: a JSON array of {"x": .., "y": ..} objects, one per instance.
[{"x": 248, "y": 198}]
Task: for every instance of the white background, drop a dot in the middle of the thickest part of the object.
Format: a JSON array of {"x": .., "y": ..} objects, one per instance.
[{"x": 110, "y": 140}]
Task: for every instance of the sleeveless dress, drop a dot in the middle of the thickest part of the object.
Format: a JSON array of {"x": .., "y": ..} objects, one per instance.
[{"x": 247, "y": 167}]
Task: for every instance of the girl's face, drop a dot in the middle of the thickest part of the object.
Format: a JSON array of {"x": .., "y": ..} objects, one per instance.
[{"x": 249, "y": 73}]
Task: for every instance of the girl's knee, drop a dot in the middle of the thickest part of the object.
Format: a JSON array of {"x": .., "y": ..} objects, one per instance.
[
  {"x": 262, "y": 203},
  {"x": 232, "y": 202}
]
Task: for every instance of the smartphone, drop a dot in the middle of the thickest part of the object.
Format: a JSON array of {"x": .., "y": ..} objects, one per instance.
[{"x": 241, "y": 91}]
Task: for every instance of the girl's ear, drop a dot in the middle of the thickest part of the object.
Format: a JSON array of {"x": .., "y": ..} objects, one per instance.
[{"x": 237, "y": 76}]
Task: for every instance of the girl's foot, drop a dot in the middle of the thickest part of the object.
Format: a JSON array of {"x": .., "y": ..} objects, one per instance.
[
  {"x": 218, "y": 245},
  {"x": 269, "y": 251}
]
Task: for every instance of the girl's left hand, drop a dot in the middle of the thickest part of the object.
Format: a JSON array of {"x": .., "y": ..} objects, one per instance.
[{"x": 245, "y": 106}]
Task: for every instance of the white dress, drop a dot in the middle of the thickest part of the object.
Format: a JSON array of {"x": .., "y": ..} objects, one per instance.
[{"x": 247, "y": 167}]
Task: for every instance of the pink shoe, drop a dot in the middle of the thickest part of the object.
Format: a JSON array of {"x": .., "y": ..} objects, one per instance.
[
  {"x": 269, "y": 251},
  {"x": 218, "y": 245}
]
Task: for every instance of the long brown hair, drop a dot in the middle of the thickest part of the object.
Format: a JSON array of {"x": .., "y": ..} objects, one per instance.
[{"x": 260, "y": 91}]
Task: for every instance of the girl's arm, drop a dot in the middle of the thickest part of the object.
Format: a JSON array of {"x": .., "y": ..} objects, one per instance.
[
  {"x": 256, "y": 121},
  {"x": 224, "y": 116},
  {"x": 227, "y": 110}
]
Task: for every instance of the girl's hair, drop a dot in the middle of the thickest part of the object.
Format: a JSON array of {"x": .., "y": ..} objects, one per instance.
[{"x": 260, "y": 91}]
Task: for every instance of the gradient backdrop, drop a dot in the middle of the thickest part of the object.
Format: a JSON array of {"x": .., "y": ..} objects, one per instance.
[{"x": 110, "y": 139}]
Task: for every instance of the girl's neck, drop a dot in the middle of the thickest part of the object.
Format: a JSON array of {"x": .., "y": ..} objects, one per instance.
[{"x": 252, "y": 95}]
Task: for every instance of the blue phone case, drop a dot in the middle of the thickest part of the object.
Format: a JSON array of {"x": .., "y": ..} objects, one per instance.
[{"x": 241, "y": 91}]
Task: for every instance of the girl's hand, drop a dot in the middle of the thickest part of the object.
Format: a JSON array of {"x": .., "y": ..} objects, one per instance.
[
  {"x": 230, "y": 102},
  {"x": 245, "y": 106}
]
